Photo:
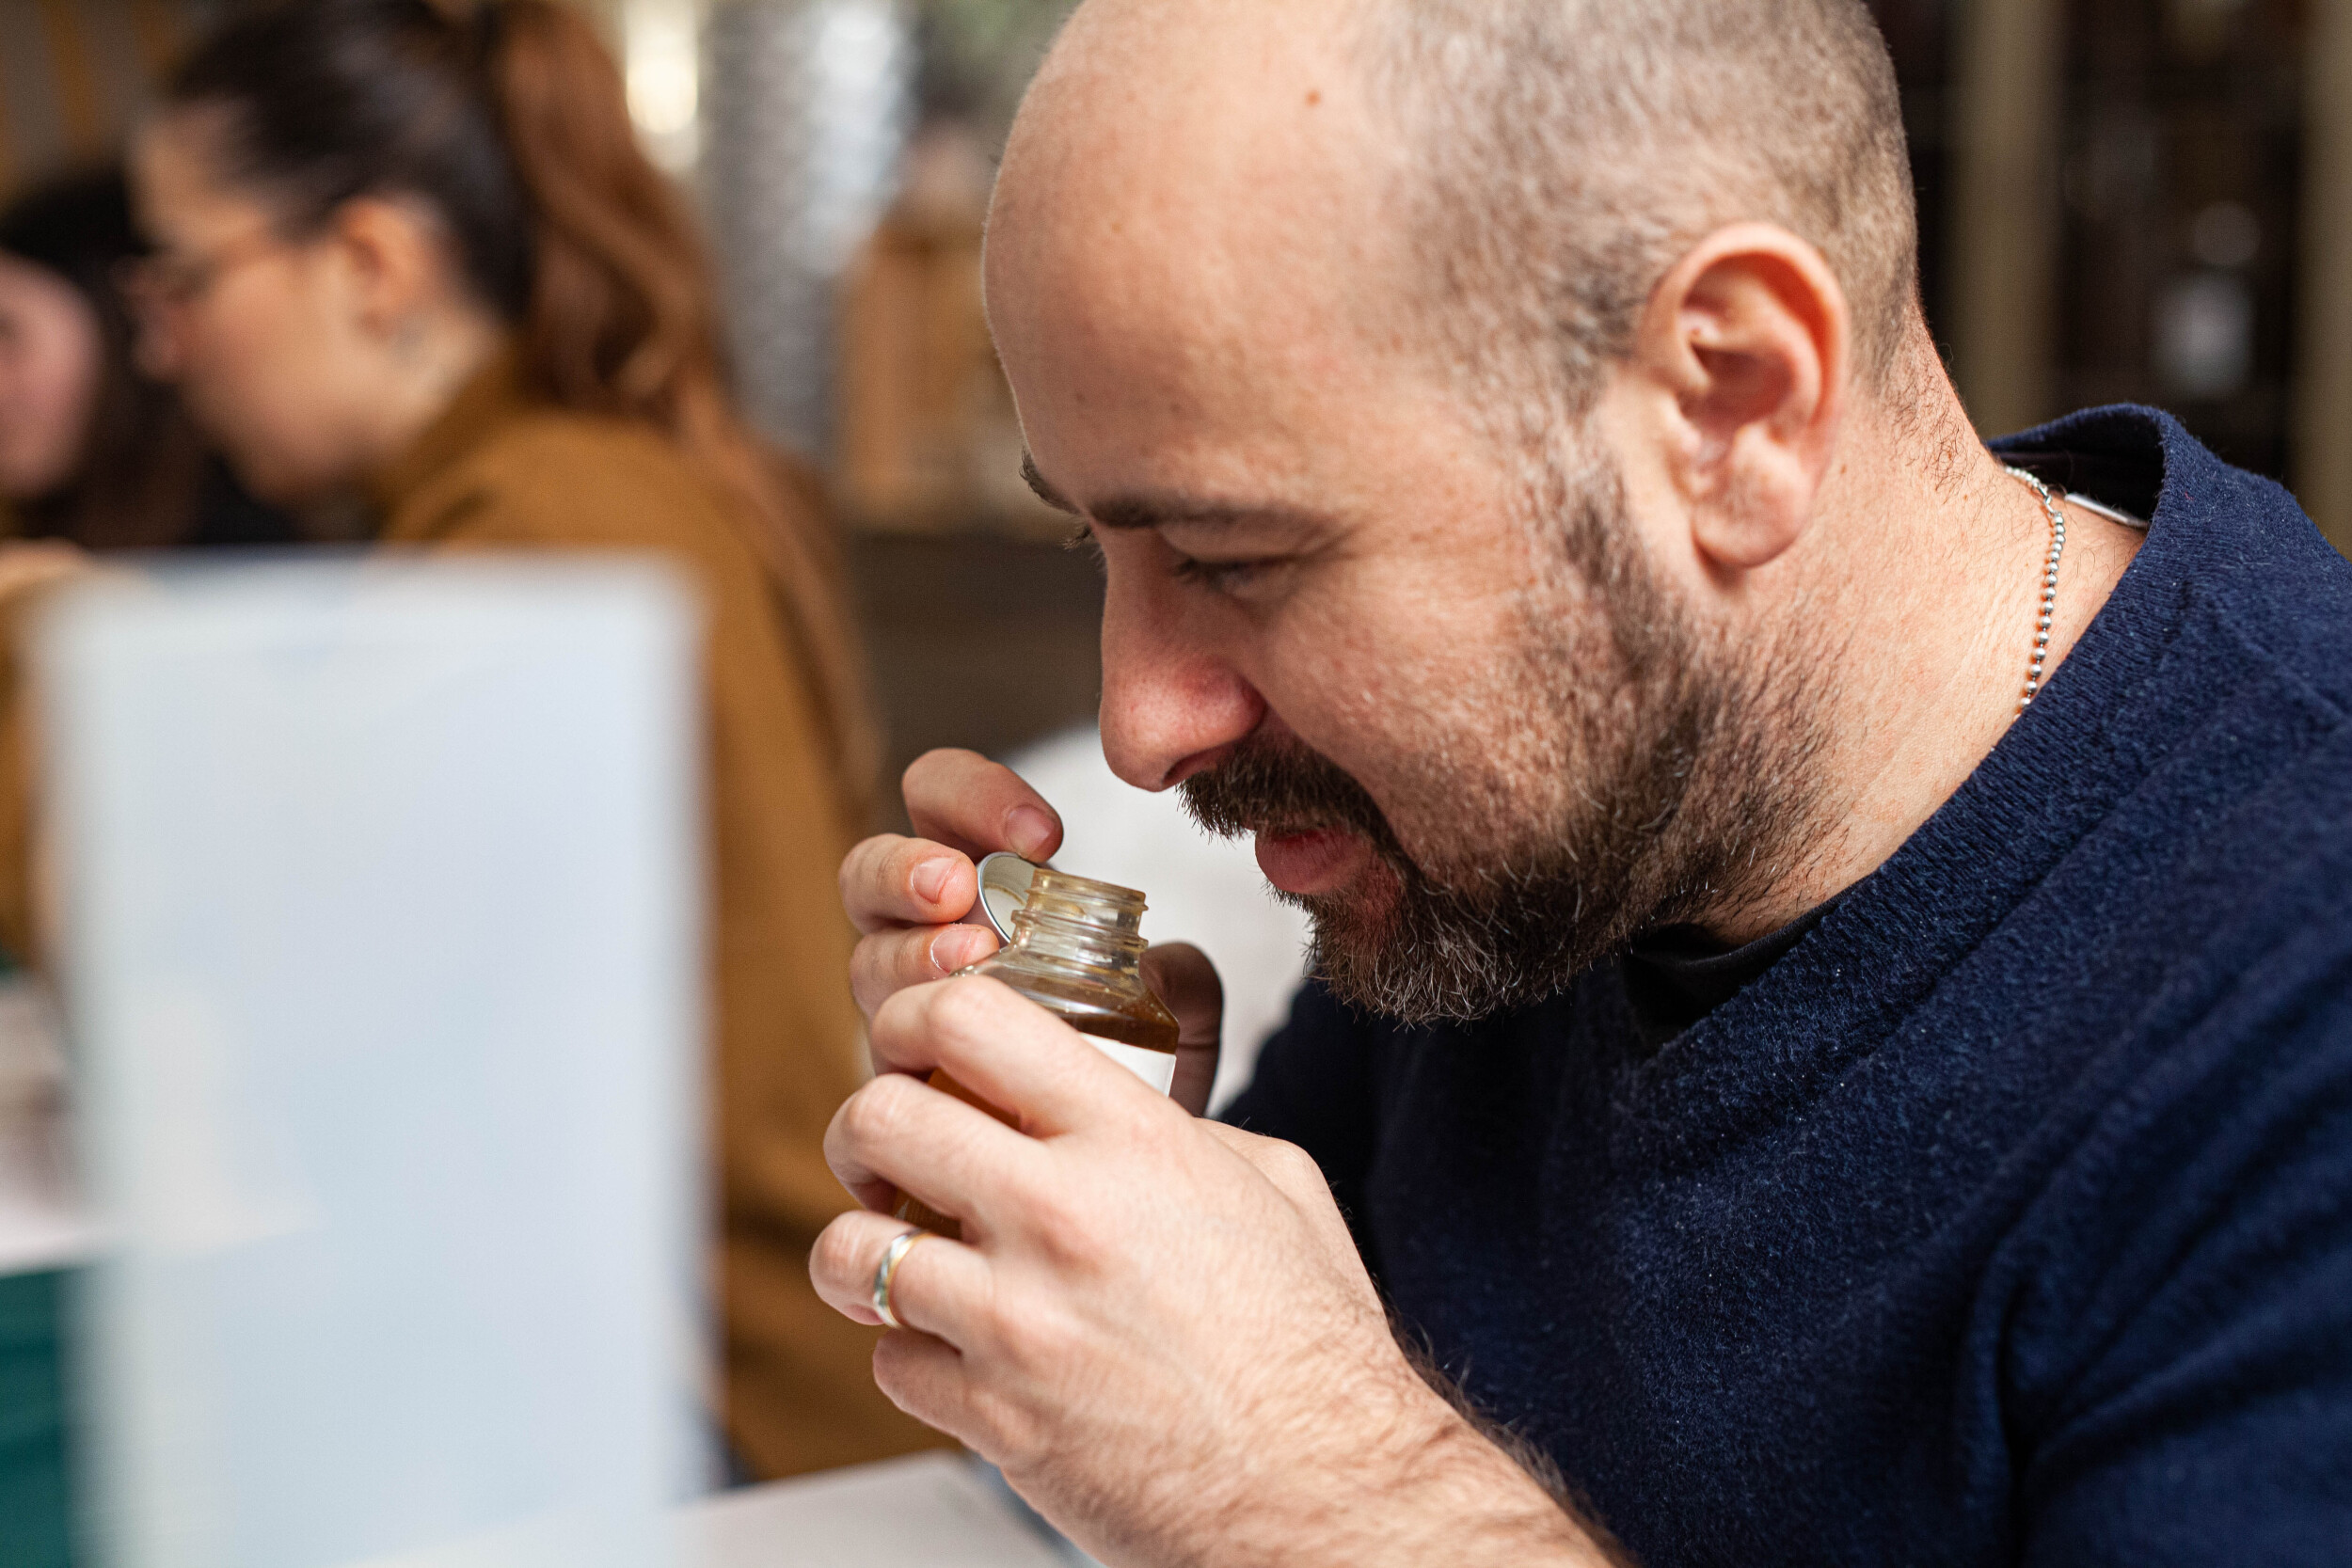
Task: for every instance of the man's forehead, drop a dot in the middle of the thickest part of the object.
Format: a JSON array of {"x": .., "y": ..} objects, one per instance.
[
  {"x": 1187, "y": 231},
  {"x": 1157, "y": 52},
  {"x": 1206, "y": 135}
]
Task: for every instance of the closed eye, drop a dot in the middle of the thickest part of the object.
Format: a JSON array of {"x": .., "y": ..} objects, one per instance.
[{"x": 1221, "y": 577}]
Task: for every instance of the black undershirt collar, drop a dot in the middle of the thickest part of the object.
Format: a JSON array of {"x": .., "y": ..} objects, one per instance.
[{"x": 1676, "y": 976}]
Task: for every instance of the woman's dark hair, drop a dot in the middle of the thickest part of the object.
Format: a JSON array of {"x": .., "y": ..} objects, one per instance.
[
  {"x": 142, "y": 468},
  {"x": 509, "y": 121}
]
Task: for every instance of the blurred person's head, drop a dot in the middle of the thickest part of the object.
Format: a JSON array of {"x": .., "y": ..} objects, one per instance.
[
  {"x": 52, "y": 361},
  {"x": 356, "y": 204},
  {"x": 1482, "y": 406},
  {"x": 90, "y": 451}
]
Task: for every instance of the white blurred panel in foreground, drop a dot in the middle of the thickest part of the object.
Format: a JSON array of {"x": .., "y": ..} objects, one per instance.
[{"x": 382, "y": 961}]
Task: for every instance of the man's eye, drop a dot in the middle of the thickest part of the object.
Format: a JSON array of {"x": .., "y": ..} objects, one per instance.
[{"x": 1219, "y": 576}]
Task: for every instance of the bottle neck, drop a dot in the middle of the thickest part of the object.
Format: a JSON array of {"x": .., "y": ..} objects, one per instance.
[{"x": 1093, "y": 925}]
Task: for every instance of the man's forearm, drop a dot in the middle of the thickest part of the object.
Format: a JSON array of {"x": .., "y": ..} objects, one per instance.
[
  {"x": 1402, "y": 1479},
  {"x": 1474, "y": 1504},
  {"x": 1532, "y": 1463}
]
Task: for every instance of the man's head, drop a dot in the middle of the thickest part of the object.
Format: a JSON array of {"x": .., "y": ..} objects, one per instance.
[{"x": 1450, "y": 385}]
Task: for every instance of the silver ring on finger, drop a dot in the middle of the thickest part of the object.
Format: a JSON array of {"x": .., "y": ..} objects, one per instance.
[{"x": 886, "y": 1275}]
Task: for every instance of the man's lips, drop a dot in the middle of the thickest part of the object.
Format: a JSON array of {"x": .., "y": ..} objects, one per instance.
[{"x": 1320, "y": 860}]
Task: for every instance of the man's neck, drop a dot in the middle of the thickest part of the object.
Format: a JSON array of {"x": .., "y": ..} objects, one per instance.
[{"x": 1929, "y": 557}]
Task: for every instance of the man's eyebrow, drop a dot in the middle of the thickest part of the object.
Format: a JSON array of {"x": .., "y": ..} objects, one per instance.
[
  {"x": 1045, "y": 492},
  {"x": 1136, "y": 512},
  {"x": 1167, "y": 510}
]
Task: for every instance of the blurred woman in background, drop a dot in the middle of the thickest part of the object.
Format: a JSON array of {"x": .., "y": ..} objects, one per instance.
[
  {"x": 413, "y": 250},
  {"x": 91, "y": 451},
  {"x": 94, "y": 455}
]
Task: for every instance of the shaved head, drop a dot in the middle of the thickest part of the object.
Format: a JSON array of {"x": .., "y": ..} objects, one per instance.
[
  {"x": 1562, "y": 155},
  {"x": 1536, "y": 164}
]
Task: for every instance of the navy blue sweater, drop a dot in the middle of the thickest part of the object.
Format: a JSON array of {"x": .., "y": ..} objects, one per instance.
[{"x": 2008, "y": 1217}]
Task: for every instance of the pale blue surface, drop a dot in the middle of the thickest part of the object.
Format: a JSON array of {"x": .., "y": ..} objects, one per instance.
[{"x": 384, "y": 959}]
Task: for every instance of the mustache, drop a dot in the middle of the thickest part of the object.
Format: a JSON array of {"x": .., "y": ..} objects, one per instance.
[{"x": 1267, "y": 788}]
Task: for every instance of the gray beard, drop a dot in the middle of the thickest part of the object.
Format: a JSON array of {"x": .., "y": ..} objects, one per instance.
[{"x": 1688, "y": 787}]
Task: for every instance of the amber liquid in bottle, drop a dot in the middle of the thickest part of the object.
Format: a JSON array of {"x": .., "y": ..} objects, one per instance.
[{"x": 1077, "y": 952}]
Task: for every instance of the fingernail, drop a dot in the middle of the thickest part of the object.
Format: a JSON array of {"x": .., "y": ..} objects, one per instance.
[
  {"x": 930, "y": 878},
  {"x": 954, "y": 949},
  {"x": 1030, "y": 831}
]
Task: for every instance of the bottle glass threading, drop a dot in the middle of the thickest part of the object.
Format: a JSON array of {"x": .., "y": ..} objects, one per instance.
[{"x": 1076, "y": 951}]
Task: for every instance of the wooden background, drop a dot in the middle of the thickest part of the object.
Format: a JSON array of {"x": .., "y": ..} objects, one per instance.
[{"x": 74, "y": 75}]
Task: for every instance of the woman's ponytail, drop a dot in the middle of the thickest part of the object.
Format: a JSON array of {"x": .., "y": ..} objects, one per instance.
[{"x": 623, "y": 320}]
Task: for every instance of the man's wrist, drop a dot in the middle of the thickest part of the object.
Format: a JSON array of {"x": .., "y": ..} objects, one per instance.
[
  {"x": 1401, "y": 1476},
  {"x": 1468, "y": 1500}
]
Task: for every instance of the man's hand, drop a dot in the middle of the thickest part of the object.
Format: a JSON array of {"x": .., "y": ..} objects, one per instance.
[
  {"x": 912, "y": 901},
  {"x": 1159, "y": 1326}
]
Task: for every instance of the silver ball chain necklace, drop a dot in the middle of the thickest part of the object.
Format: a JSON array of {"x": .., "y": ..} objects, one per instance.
[{"x": 2049, "y": 583}]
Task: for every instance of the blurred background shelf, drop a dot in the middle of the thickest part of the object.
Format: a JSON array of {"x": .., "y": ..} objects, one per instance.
[
  {"x": 2120, "y": 199},
  {"x": 978, "y": 639}
]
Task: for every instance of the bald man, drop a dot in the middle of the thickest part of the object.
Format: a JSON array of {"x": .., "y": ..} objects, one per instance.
[{"x": 1833, "y": 1030}]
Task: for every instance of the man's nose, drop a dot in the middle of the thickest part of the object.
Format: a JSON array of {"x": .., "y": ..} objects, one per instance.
[{"x": 1172, "y": 702}]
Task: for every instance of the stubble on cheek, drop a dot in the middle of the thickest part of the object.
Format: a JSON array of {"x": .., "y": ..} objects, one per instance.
[{"x": 1507, "y": 741}]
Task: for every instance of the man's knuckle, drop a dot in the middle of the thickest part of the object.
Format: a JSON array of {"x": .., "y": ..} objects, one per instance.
[
  {"x": 1025, "y": 1342},
  {"x": 938, "y": 760},
  {"x": 876, "y": 1114},
  {"x": 873, "y": 970},
  {"x": 1062, "y": 1225},
  {"x": 1289, "y": 1158},
  {"x": 1005, "y": 1430},
  {"x": 857, "y": 865},
  {"x": 834, "y": 1256},
  {"x": 897, "y": 1364},
  {"x": 901, "y": 1016},
  {"x": 962, "y": 1012},
  {"x": 1292, "y": 1167},
  {"x": 877, "y": 984}
]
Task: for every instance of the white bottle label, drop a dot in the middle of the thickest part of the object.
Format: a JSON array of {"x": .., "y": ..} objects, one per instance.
[{"x": 1156, "y": 1067}]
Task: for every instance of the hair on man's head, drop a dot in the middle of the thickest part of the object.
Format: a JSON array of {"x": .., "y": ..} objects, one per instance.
[{"x": 1561, "y": 156}]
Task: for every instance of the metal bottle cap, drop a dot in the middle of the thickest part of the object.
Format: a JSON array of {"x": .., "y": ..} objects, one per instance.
[{"x": 1004, "y": 879}]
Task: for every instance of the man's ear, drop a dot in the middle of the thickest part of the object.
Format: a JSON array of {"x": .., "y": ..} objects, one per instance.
[
  {"x": 392, "y": 257},
  {"x": 1749, "y": 337}
]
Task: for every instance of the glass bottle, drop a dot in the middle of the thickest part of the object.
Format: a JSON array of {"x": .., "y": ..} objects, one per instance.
[{"x": 1077, "y": 952}]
